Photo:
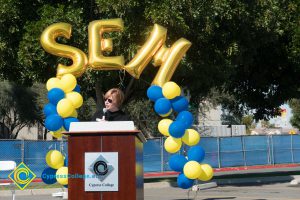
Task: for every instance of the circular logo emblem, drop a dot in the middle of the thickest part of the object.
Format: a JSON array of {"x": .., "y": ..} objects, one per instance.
[{"x": 100, "y": 168}]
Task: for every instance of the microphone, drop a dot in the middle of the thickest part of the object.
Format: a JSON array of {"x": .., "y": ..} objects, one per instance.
[{"x": 104, "y": 113}]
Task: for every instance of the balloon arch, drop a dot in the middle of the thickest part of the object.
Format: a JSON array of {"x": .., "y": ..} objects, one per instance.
[{"x": 64, "y": 95}]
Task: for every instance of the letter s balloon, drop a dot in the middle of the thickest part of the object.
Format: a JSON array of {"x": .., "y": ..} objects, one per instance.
[{"x": 48, "y": 42}]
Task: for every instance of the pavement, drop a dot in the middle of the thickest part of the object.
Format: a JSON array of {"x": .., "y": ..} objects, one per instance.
[
  {"x": 254, "y": 188},
  {"x": 277, "y": 191},
  {"x": 246, "y": 183},
  {"x": 280, "y": 191},
  {"x": 230, "y": 171}
]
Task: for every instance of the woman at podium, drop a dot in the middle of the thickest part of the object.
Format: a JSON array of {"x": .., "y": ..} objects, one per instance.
[{"x": 113, "y": 100}]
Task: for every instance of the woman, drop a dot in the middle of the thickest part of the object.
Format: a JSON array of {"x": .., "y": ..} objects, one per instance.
[{"x": 113, "y": 100}]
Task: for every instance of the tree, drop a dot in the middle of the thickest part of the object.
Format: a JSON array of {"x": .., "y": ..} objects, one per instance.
[
  {"x": 229, "y": 118},
  {"x": 18, "y": 106},
  {"x": 295, "y": 106},
  {"x": 266, "y": 124},
  {"x": 4, "y": 131},
  {"x": 141, "y": 111},
  {"x": 248, "y": 121}
]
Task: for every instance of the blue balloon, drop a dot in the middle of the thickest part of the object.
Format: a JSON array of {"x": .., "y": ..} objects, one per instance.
[
  {"x": 179, "y": 104},
  {"x": 184, "y": 182},
  {"x": 162, "y": 106},
  {"x": 154, "y": 92},
  {"x": 49, "y": 109},
  {"x": 49, "y": 175},
  {"x": 66, "y": 162},
  {"x": 177, "y": 162},
  {"x": 55, "y": 95},
  {"x": 67, "y": 122},
  {"x": 54, "y": 122},
  {"x": 77, "y": 88},
  {"x": 196, "y": 153},
  {"x": 177, "y": 129},
  {"x": 186, "y": 117}
]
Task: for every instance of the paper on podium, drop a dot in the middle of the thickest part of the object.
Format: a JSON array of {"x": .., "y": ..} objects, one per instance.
[{"x": 102, "y": 126}]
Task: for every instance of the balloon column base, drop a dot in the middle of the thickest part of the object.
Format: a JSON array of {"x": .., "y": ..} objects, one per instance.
[
  {"x": 63, "y": 195},
  {"x": 204, "y": 186}
]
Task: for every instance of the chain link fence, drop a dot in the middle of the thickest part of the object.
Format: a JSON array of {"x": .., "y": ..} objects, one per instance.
[
  {"x": 231, "y": 151},
  {"x": 31, "y": 152},
  {"x": 220, "y": 152}
]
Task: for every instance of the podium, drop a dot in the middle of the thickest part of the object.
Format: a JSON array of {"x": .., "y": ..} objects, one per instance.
[{"x": 105, "y": 164}]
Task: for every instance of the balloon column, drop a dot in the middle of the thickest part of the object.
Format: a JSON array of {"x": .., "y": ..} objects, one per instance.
[
  {"x": 57, "y": 170},
  {"x": 168, "y": 99},
  {"x": 64, "y": 98}
]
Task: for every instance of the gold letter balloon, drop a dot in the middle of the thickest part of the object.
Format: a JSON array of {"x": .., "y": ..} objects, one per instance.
[
  {"x": 154, "y": 48},
  {"x": 97, "y": 45},
  {"x": 78, "y": 57},
  {"x": 169, "y": 59},
  {"x": 157, "y": 38}
]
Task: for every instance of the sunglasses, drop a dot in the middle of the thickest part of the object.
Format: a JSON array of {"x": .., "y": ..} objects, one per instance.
[{"x": 109, "y": 100}]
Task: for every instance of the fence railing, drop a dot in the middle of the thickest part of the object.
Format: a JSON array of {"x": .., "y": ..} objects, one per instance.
[{"x": 220, "y": 152}]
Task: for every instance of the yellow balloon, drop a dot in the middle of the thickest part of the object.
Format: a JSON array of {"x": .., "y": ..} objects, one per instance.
[
  {"x": 292, "y": 132},
  {"x": 62, "y": 175},
  {"x": 163, "y": 126},
  {"x": 169, "y": 59},
  {"x": 53, "y": 83},
  {"x": 172, "y": 145},
  {"x": 68, "y": 82},
  {"x": 171, "y": 90},
  {"x": 74, "y": 114},
  {"x": 49, "y": 43},
  {"x": 76, "y": 99},
  {"x": 207, "y": 174},
  {"x": 54, "y": 159},
  {"x": 167, "y": 114},
  {"x": 58, "y": 134},
  {"x": 65, "y": 108},
  {"x": 191, "y": 137},
  {"x": 157, "y": 38},
  {"x": 139, "y": 171},
  {"x": 98, "y": 44},
  {"x": 192, "y": 170}
]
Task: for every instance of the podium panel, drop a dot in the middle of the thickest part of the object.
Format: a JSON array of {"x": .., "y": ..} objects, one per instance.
[{"x": 129, "y": 147}]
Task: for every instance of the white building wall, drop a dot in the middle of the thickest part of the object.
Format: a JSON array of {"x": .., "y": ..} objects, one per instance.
[
  {"x": 213, "y": 117},
  {"x": 27, "y": 133},
  {"x": 210, "y": 123}
]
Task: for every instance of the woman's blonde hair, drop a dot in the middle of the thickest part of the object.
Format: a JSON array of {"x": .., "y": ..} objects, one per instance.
[{"x": 116, "y": 94}]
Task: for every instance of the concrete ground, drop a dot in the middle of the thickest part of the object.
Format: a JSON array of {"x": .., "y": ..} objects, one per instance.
[
  {"x": 165, "y": 191},
  {"x": 279, "y": 182},
  {"x": 281, "y": 191}
]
